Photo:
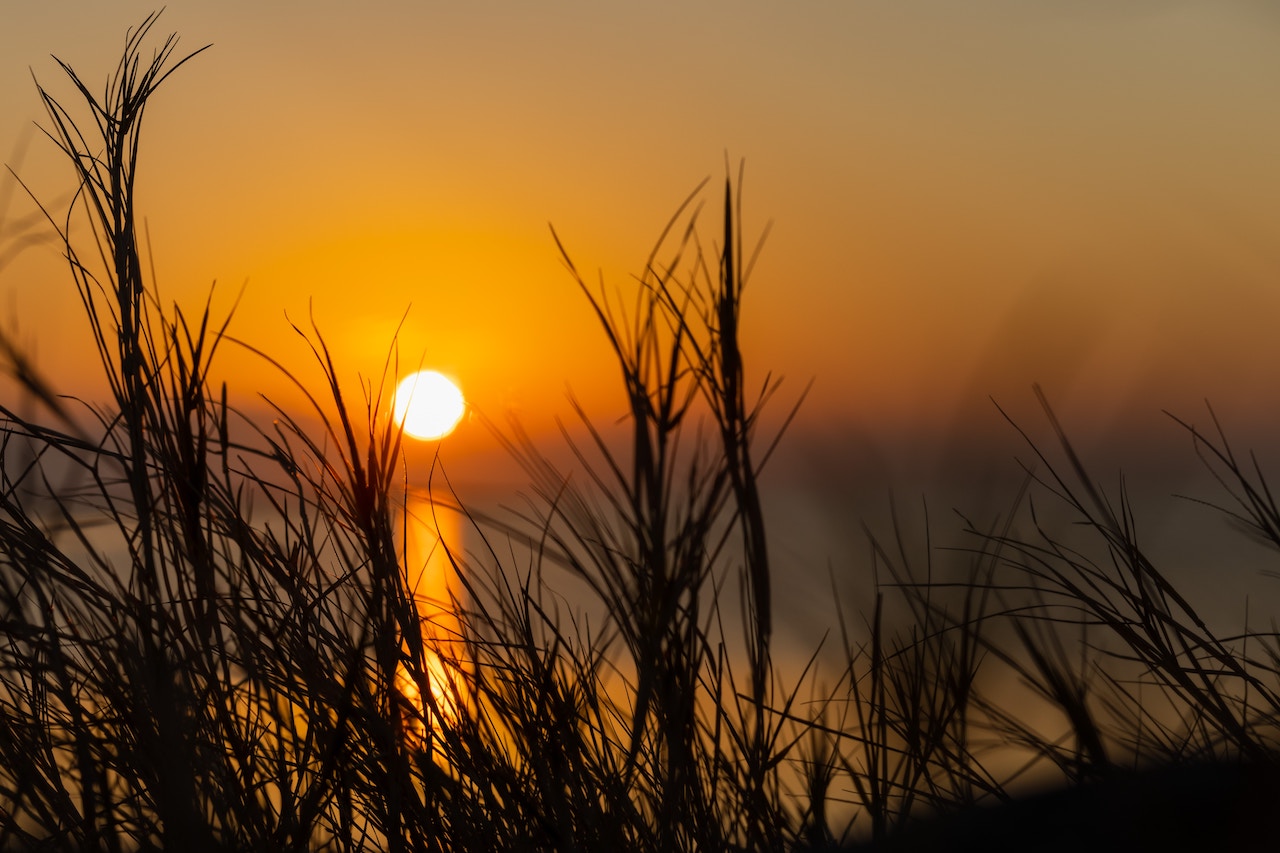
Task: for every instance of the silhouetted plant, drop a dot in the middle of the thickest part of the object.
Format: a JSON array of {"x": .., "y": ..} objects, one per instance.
[{"x": 209, "y": 641}]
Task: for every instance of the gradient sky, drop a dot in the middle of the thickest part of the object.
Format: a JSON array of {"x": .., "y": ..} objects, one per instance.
[{"x": 965, "y": 198}]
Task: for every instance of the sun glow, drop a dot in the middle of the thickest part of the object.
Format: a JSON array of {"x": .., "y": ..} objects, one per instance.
[{"x": 428, "y": 405}]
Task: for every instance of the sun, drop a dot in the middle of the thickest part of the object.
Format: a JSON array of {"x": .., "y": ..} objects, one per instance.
[{"x": 428, "y": 405}]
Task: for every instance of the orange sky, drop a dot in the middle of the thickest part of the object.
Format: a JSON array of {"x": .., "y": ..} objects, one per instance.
[{"x": 966, "y": 198}]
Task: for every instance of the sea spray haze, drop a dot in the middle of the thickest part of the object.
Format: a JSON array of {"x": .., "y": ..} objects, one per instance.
[{"x": 209, "y": 642}]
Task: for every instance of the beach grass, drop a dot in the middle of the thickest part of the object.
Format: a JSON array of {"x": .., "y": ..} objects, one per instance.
[{"x": 208, "y": 638}]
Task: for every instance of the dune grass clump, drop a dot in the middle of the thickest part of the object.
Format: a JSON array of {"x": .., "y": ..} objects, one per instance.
[
  {"x": 208, "y": 639},
  {"x": 211, "y": 644}
]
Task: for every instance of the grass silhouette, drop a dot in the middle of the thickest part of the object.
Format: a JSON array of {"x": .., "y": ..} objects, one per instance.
[{"x": 209, "y": 642}]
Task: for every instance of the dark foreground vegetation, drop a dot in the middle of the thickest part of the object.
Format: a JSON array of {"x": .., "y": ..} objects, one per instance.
[{"x": 207, "y": 639}]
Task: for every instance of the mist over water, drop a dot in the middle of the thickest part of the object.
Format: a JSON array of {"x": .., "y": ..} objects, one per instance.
[{"x": 830, "y": 491}]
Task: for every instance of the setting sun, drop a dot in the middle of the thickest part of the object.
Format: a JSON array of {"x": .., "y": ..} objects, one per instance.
[{"x": 428, "y": 405}]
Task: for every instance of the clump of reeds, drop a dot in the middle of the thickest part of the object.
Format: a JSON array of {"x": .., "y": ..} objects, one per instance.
[
  {"x": 1125, "y": 691},
  {"x": 209, "y": 641}
]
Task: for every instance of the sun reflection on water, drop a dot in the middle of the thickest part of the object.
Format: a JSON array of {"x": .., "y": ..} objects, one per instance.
[{"x": 434, "y": 687}]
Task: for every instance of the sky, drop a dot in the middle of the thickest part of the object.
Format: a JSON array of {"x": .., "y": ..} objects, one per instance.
[{"x": 962, "y": 200}]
